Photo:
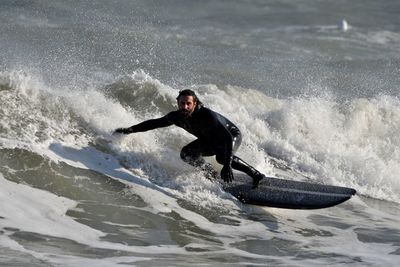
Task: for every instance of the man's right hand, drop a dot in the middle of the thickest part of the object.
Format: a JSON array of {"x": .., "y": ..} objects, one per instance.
[{"x": 227, "y": 174}]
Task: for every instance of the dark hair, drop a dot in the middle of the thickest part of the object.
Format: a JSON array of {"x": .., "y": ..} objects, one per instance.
[{"x": 188, "y": 92}]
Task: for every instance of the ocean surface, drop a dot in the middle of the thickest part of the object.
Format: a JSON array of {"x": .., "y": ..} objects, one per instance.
[{"x": 313, "y": 86}]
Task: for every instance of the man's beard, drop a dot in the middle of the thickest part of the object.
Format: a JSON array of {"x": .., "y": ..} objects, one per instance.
[{"x": 186, "y": 113}]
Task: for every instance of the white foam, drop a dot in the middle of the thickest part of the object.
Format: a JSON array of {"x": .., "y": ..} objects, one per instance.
[
  {"x": 28, "y": 209},
  {"x": 318, "y": 136},
  {"x": 353, "y": 144},
  {"x": 33, "y": 210},
  {"x": 329, "y": 141},
  {"x": 383, "y": 37}
]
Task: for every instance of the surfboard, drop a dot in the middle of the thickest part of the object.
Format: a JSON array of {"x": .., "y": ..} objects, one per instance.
[{"x": 283, "y": 193}]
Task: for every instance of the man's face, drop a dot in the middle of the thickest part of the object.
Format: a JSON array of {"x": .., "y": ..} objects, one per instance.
[{"x": 186, "y": 105}]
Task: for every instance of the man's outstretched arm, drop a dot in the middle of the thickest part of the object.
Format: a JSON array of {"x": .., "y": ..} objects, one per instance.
[{"x": 145, "y": 126}]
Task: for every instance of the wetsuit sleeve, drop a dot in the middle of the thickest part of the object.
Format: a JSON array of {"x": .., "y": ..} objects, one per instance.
[{"x": 150, "y": 125}]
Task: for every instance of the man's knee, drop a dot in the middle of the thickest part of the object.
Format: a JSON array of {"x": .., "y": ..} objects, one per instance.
[
  {"x": 220, "y": 159},
  {"x": 189, "y": 156}
]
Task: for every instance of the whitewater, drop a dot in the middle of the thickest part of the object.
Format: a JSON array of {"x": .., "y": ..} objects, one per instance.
[{"x": 314, "y": 101}]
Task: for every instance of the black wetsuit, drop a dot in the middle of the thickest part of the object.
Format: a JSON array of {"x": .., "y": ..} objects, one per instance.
[{"x": 216, "y": 136}]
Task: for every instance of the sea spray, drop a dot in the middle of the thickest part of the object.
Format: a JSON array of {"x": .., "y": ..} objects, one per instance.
[{"x": 351, "y": 143}]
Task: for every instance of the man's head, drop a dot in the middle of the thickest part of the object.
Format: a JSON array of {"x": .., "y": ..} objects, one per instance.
[{"x": 188, "y": 102}]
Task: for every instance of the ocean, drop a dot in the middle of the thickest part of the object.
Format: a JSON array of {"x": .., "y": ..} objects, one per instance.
[{"x": 313, "y": 86}]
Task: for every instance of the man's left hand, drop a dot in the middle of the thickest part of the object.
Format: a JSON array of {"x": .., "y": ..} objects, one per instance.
[
  {"x": 121, "y": 131},
  {"x": 227, "y": 174}
]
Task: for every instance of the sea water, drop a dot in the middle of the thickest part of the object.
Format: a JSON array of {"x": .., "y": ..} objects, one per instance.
[{"x": 313, "y": 86}]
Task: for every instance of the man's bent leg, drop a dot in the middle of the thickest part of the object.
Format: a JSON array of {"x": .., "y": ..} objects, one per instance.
[
  {"x": 240, "y": 165},
  {"x": 193, "y": 154}
]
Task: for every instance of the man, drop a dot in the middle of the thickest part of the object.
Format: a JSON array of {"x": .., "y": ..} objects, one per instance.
[{"x": 216, "y": 136}]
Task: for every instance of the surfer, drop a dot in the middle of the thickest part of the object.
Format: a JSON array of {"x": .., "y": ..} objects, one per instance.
[{"x": 217, "y": 136}]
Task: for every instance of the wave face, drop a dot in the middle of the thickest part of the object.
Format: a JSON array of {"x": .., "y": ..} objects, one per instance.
[
  {"x": 314, "y": 102},
  {"x": 353, "y": 143},
  {"x": 59, "y": 158}
]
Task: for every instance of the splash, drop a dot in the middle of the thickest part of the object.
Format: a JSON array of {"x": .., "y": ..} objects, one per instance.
[{"x": 352, "y": 143}]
